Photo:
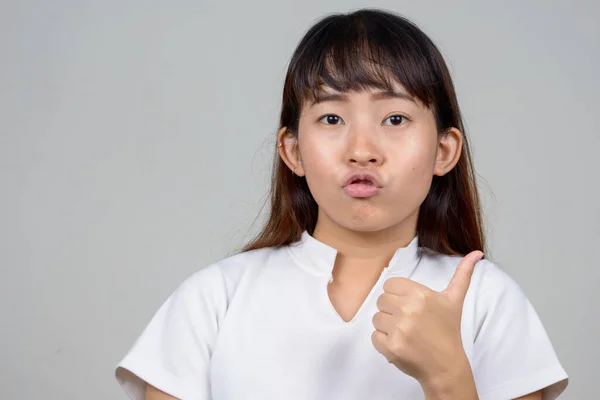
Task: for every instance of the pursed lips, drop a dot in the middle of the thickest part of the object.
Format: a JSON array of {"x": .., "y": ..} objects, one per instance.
[
  {"x": 362, "y": 185},
  {"x": 363, "y": 177}
]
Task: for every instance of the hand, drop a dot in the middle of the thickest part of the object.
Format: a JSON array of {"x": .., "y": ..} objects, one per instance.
[{"x": 418, "y": 329}]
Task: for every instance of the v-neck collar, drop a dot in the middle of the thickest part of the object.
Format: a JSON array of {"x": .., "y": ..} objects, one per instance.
[{"x": 319, "y": 257}]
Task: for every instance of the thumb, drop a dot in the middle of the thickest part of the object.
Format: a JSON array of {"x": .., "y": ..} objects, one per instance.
[{"x": 458, "y": 286}]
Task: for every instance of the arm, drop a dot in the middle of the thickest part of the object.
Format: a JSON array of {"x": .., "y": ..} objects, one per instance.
[
  {"x": 463, "y": 387},
  {"x": 532, "y": 396},
  {"x": 153, "y": 393},
  {"x": 512, "y": 353},
  {"x": 509, "y": 333},
  {"x": 173, "y": 352}
]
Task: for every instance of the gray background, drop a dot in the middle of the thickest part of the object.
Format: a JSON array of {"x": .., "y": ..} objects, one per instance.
[{"x": 136, "y": 137}]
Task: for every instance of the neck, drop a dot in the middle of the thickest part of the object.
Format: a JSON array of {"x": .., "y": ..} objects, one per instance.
[{"x": 364, "y": 251}]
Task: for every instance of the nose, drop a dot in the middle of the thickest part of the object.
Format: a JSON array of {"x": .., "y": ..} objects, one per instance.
[{"x": 363, "y": 149}]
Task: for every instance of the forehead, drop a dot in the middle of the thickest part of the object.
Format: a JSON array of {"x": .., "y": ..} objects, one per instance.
[{"x": 326, "y": 93}]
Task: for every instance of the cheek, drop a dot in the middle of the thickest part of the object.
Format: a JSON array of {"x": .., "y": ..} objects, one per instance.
[
  {"x": 321, "y": 168},
  {"x": 412, "y": 167},
  {"x": 421, "y": 166},
  {"x": 316, "y": 156},
  {"x": 320, "y": 156},
  {"x": 415, "y": 160}
]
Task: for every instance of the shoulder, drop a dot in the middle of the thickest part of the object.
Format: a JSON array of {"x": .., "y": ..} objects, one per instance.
[
  {"x": 488, "y": 279},
  {"x": 241, "y": 262},
  {"x": 221, "y": 278},
  {"x": 237, "y": 265}
]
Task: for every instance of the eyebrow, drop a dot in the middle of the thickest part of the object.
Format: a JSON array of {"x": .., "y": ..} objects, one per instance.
[{"x": 381, "y": 95}]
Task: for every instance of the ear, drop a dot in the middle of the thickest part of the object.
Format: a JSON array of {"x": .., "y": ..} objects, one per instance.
[
  {"x": 287, "y": 145},
  {"x": 449, "y": 150}
]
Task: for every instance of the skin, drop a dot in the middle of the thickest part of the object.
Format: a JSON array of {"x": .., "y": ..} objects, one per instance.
[{"x": 416, "y": 329}]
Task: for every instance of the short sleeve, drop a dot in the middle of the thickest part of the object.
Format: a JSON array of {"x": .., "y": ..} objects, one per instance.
[
  {"x": 512, "y": 353},
  {"x": 174, "y": 350}
]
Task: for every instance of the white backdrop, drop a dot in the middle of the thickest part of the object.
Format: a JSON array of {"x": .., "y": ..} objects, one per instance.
[{"x": 136, "y": 139}]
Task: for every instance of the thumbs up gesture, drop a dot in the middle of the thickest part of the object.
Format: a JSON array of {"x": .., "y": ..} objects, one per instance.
[{"x": 418, "y": 329}]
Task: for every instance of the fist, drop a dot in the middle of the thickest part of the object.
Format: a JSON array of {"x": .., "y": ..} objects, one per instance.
[{"x": 418, "y": 329}]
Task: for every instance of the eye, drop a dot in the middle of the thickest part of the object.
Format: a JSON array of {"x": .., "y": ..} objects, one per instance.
[
  {"x": 395, "y": 120},
  {"x": 331, "y": 119}
]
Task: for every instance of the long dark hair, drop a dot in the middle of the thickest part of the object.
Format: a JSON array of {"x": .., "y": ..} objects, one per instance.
[{"x": 371, "y": 48}]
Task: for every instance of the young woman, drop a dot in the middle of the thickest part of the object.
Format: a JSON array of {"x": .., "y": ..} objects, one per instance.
[{"x": 367, "y": 280}]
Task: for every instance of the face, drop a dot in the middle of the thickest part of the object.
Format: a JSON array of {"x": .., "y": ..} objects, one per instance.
[{"x": 390, "y": 138}]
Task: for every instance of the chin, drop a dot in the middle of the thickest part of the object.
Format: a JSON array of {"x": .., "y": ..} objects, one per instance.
[
  {"x": 370, "y": 224},
  {"x": 363, "y": 216}
]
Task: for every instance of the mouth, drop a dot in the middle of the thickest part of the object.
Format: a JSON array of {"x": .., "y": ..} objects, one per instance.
[
  {"x": 367, "y": 182},
  {"x": 364, "y": 178},
  {"x": 362, "y": 185}
]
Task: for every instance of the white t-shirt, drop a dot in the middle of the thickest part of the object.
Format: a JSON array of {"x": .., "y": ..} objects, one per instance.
[{"x": 260, "y": 325}]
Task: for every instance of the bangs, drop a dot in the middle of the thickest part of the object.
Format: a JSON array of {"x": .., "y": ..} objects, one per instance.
[
  {"x": 350, "y": 53},
  {"x": 371, "y": 49}
]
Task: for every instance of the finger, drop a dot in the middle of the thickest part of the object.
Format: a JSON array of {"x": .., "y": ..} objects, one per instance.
[
  {"x": 384, "y": 322},
  {"x": 403, "y": 287},
  {"x": 391, "y": 303},
  {"x": 458, "y": 286},
  {"x": 379, "y": 341}
]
